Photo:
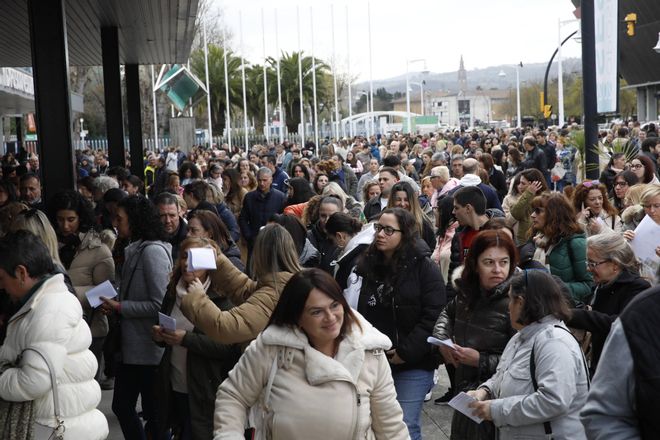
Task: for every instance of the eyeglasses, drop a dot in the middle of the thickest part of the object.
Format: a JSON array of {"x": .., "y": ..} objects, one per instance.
[
  {"x": 594, "y": 264},
  {"x": 636, "y": 166},
  {"x": 388, "y": 230},
  {"x": 617, "y": 184},
  {"x": 590, "y": 183}
]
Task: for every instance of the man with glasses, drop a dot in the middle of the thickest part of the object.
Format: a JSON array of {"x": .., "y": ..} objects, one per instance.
[{"x": 387, "y": 177}]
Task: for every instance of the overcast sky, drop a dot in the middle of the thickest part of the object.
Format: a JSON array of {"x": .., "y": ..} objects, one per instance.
[{"x": 485, "y": 32}]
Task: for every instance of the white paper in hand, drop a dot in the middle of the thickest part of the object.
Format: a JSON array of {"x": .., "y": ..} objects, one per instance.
[
  {"x": 105, "y": 289},
  {"x": 166, "y": 322},
  {"x": 460, "y": 403},
  {"x": 201, "y": 259},
  {"x": 439, "y": 342}
]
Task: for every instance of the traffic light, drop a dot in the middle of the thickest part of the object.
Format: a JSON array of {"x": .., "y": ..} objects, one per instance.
[
  {"x": 631, "y": 20},
  {"x": 547, "y": 111}
]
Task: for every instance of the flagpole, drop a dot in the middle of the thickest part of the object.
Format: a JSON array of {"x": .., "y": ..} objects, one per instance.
[
  {"x": 279, "y": 80},
  {"x": 208, "y": 89},
  {"x": 300, "y": 83},
  {"x": 348, "y": 73},
  {"x": 227, "y": 105},
  {"x": 245, "y": 116},
  {"x": 316, "y": 114},
  {"x": 371, "y": 77},
  {"x": 153, "y": 103},
  {"x": 263, "y": 34},
  {"x": 334, "y": 72}
]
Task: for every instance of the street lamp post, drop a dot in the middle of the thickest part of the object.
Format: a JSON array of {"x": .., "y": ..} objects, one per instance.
[
  {"x": 421, "y": 95},
  {"x": 408, "y": 63},
  {"x": 560, "y": 74},
  {"x": 502, "y": 74}
]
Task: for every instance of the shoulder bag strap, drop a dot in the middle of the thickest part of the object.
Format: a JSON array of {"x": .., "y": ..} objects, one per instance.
[
  {"x": 269, "y": 385},
  {"x": 59, "y": 429},
  {"x": 130, "y": 278},
  {"x": 532, "y": 373}
]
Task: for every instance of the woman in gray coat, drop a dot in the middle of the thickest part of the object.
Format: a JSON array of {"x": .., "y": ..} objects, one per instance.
[
  {"x": 541, "y": 382},
  {"x": 145, "y": 275}
]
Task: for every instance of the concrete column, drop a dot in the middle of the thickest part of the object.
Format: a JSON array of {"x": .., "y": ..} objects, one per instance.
[
  {"x": 651, "y": 103},
  {"x": 641, "y": 104},
  {"x": 112, "y": 91},
  {"x": 50, "y": 66},
  {"x": 134, "y": 118}
]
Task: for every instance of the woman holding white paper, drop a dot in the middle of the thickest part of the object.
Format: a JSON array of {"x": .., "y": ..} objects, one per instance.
[
  {"x": 650, "y": 199},
  {"x": 193, "y": 365},
  {"x": 86, "y": 258},
  {"x": 478, "y": 323},
  {"x": 274, "y": 260},
  {"x": 542, "y": 381}
]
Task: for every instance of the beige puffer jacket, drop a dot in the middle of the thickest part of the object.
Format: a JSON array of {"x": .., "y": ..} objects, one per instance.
[
  {"x": 92, "y": 265},
  {"x": 313, "y": 396}
]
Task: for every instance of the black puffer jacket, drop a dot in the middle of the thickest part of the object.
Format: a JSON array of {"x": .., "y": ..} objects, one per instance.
[
  {"x": 404, "y": 303},
  {"x": 326, "y": 247},
  {"x": 486, "y": 328},
  {"x": 607, "y": 303}
]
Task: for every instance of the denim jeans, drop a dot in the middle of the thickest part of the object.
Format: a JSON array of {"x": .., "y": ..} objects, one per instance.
[{"x": 411, "y": 387}]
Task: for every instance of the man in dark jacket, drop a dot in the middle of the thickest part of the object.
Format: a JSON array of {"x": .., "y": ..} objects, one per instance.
[
  {"x": 387, "y": 177},
  {"x": 173, "y": 221},
  {"x": 346, "y": 175},
  {"x": 278, "y": 175},
  {"x": 259, "y": 205},
  {"x": 535, "y": 157}
]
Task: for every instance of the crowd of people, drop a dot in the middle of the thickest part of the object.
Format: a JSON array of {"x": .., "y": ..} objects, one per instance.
[{"x": 334, "y": 265}]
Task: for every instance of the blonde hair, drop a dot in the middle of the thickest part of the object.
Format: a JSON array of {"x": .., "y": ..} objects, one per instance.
[
  {"x": 634, "y": 194},
  {"x": 650, "y": 191},
  {"x": 36, "y": 222},
  {"x": 274, "y": 251},
  {"x": 333, "y": 189}
]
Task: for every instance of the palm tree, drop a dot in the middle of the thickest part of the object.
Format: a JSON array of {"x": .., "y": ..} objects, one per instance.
[
  {"x": 290, "y": 85},
  {"x": 217, "y": 81}
]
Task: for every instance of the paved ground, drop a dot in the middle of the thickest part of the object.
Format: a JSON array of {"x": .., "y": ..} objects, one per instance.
[{"x": 436, "y": 420}]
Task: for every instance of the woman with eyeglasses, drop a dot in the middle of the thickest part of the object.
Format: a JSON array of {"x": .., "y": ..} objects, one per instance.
[
  {"x": 560, "y": 242},
  {"x": 622, "y": 181},
  {"x": 541, "y": 382},
  {"x": 644, "y": 169},
  {"x": 615, "y": 270},
  {"x": 476, "y": 321},
  {"x": 402, "y": 294},
  {"x": 595, "y": 213}
]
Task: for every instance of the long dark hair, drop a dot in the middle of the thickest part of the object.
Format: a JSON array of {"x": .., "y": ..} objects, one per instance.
[
  {"x": 373, "y": 264},
  {"x": 234, "y": 177},
  {"x": 302, "y": 192},
  {"x": 214, "y": 225},
  {"x": 560, "y": 217},
  {"x": 483, "y": 241},
  {"x": 143, "y": 219},
  {"x": 291, "y": 304},
  {"x": 73, "y": 201}
]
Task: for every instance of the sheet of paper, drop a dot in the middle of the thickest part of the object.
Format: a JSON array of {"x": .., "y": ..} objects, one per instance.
[
  {"x": 438, "y": 342},
  {"x": 460, "y": 403},
  {"x": 105, "y": 289},
  {"x": 201, "y": 259},
  {"x": 167, "y": 322},
  {"x": 647, "y": 238}
]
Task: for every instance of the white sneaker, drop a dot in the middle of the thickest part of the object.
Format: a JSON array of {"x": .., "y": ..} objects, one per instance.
[{"x": 428, "y": 396}]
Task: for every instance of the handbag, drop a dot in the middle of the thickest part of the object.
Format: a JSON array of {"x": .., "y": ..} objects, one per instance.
[
  {"x": 43, "y": 432},
  {"x": 16, "y": 418}
]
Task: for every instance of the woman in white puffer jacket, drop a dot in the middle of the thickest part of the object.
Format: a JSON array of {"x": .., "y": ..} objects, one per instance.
[{"x": 50, "y": 321}]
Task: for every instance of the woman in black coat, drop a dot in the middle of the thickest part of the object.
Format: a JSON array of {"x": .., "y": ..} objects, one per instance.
[
  {"x": 193, "y": 365},
  {"x": 402, "y": 294},
  {"x": 615, "y": 270},
  {"x": 477, "y": 320}
]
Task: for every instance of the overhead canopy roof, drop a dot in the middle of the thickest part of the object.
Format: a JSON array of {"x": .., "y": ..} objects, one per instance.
[
  {"x": 150, "y": 31},
  {"x": 638, "y": 63}
]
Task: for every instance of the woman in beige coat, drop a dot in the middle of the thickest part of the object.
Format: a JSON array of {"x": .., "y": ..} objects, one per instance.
[
  {"x": 274, "y": 260},
  {"x": 86, "y": 258},
  {"x": 325, "y": 370}
]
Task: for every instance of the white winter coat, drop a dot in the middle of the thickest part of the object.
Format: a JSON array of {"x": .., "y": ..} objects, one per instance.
[
  {"x": 51, "y": 322},
  {"x": 313, "y": 396}
]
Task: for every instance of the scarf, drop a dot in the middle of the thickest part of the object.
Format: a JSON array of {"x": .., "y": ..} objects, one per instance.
[{"x": 68, "y": 248}]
